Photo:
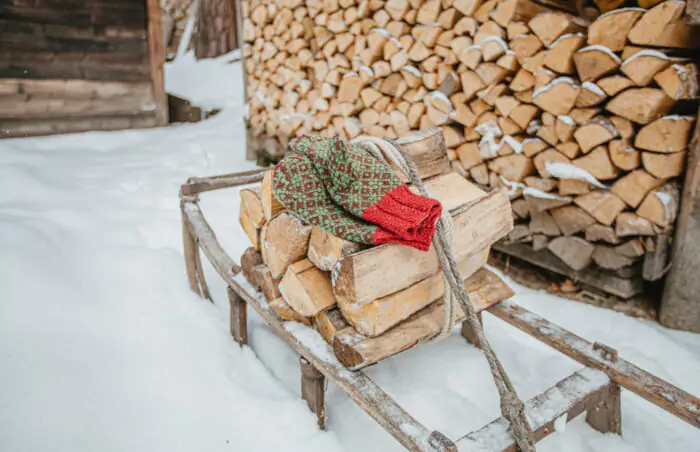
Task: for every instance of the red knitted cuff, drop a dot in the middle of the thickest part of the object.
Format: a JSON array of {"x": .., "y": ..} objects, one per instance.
[
  {"x": 382, "y": 236},
  {"x": 411, "y": 217}
]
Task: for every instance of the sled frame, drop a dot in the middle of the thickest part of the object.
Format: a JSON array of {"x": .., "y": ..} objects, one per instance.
[{"x": 601, "y": 378}]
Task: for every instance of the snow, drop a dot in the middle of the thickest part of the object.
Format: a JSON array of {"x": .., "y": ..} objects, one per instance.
[
  {"x": 603, "y": 49},
  {"x": 592, "y": 87},
  {"x": 565, "y": 36},
  {"x": 646, "y": 53},
  {"x": 497, "y": 40},
  {"x": 537, "y": 193},
  {"x": 568, "y": 120},
  {"x": 621, "y": 10},
  {"x": 412, "y": 70},
  {"x": 562, "y": 170},
  {"x": 104, "y": 347},
  {"x": 551, "y": 84}
]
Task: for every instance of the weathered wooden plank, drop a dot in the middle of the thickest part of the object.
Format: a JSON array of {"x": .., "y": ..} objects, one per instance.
[
  {"x": 195, "y": 185},
  {"x": 313, "y": 390},
  {"x": 620, "y": 286},
  {"x": 680, "y": 305},
  {"x": 157, "y": 59},
  {"x": 572, "y": 396},
  {"x": 239, "y": 317},
  {"x": 650, "y": 387}
]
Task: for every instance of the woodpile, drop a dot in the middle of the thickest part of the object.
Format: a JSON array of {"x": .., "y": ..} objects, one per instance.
[
  {"x": 581, "y": 119},
  {"x": 373, "y": 302}
]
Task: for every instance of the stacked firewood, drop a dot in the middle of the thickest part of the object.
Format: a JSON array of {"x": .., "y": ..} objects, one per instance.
[
  {"x": 578, "y": 118},
  {"x": 373, "y": 302}
]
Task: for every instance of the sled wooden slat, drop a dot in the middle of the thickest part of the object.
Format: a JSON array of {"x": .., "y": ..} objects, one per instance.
[
  {"x": 196, "y": 185},
  {"x": 365, "y": 392},
  {"x": 650, "y": 387},
  {"x": 577, "y": 393}
]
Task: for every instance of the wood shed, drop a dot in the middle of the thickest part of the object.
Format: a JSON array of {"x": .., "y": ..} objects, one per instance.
[{"x": 79, "y": 65}]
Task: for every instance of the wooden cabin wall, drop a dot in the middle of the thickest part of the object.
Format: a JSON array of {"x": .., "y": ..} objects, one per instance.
[{"x": 75, "y": 65}]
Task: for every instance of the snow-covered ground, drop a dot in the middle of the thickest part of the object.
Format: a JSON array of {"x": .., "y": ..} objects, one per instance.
[{"x": 103, "y": 346}]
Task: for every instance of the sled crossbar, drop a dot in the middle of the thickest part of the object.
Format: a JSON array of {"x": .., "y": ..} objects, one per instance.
[{"x": 594, "y": 389}]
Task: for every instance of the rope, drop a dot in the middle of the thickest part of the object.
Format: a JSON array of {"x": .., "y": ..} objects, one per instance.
[{"x": 512, "y": 408}]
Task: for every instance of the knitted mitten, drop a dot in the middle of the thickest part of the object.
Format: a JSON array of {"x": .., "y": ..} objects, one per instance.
[
  {"x": 365, "y": 187},
  {"x": 349, "y": 193}
]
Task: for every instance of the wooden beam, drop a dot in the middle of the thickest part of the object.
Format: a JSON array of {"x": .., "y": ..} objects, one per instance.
[
  {"x": 239, "y": 318},
  {"x": 570, "y": 397},
  {"x": 313, "y": 390},
  {"x": 681, "y": 404},
  {"x": 680, "y": 305},
  {"x": 157, "y": 58},
  {"x": 620, "y": 286}
]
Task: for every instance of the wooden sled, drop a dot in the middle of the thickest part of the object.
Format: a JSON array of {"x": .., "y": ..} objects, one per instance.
[{"x": 594, "y": 389}]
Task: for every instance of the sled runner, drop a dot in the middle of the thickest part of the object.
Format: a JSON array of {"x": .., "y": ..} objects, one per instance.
[{"x": 594, "y": 389}]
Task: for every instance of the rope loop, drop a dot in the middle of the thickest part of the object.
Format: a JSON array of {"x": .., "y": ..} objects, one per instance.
[{"x": 512, "y": 408}]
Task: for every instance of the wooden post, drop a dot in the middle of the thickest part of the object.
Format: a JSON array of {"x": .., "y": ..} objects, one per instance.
[
  {"x": 468, "y": 331},
  {"x": 190, "y": 250},
  {"x": 239, "y": 318},
  {"x": 606, "y": 417},
  {"x": 680, "y": 306},
  {"x": 313, "y": 390},
  {"x": 157, "y": 57}
]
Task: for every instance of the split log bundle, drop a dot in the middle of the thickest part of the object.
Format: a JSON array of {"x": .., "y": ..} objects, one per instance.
[{"x": 365, "y": 276}]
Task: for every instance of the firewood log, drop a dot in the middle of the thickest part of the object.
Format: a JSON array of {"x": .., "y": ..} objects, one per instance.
[
  {"x": 271, "y": 206},
  {"x": 357, "y": 351},
  {"x": 607, "y": 257},
  {"x": 623, "y": 156},
  {"x": 597, "y": 163},
  {"x": 428, "y": 151},
  {"x": 377, "y": 316},
  {"x": 285, "y": 312},
  {"x": 630, "y": 224},
  {"x": 249, "y": 228},
  {"x": 650, "y": 27},
  {"x": 593, "y": 62},
  {"x": 307, "y": 289},
  {"x": 284, "y": 241},
  {"x": 539, "y": 242},
  {"x": 634, "y": 186},
  {"x": 614, "y": 84},
  {"x": 329, "y": 322},
  {"x": 595, "y": 132},
  {"x": 632, "y": 248},
  {"x": 663, "y": 166},
  {"x": 249, "y": 260},
  {"x": 600, "y": 233},
  {"x": 610, "y": 30},
  {"x": 643, "y": 66},
  {"x": 269, "y": 285},
  {"x": 569, "y": 149},
  {"x": 558, "y": 97},
  {"x": 325, "y": 249},
  {"x": 679, "y": 81},
  {"x": 560, "y": 56},
  {"x": 543, "y": 223},
  {"x": 601, "y": 205},
  {"x": 548, "y": 156},
  {"x": 521, "y": 208},
  {"x": 640, "y": 105},
  {"x": 539, "y": 201},
  {"x": 661, "y": 205},
  {"x": 573, "y": 251},
  {"x": 514, "y": 167},
  {"x": 487, "y": 218},
  {"x": 666, "y": 134},
  {"x": 571, "y": 219},
  {"x": 573, "y": 187}
]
